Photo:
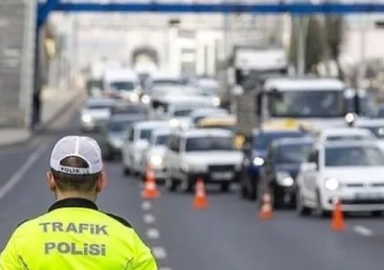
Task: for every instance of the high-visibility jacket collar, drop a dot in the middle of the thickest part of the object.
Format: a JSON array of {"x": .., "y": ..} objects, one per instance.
[{"x": 73, "y": 202}]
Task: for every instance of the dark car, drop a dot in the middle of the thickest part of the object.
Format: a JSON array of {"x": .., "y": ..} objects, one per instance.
[
  {"x": 254, "y": 154},
  {"x": 116, "y": 132},
  {"x": 130, "y": 109},
  {"x": 281, "y": 167}
]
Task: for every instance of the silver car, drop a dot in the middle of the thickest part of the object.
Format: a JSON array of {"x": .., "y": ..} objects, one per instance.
[{"x": 96, "y": 113}]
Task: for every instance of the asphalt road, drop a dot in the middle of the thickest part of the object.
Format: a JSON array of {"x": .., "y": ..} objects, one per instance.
[{"x": 226, "y": 236}]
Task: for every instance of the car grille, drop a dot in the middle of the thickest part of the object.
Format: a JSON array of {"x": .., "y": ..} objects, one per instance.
[
  {"x": 361, "y": 185},
  {"x": 221, "y": 168}
]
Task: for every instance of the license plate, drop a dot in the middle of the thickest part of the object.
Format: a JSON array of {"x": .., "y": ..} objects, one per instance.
[
  {"x": 222, "y": 175},
  {"x": 369, "y": 195}
]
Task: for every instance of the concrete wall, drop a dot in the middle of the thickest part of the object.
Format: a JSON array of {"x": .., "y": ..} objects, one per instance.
[{"x": 16, "y": 59}]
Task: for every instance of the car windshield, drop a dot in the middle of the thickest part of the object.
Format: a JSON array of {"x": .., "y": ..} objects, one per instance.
[
  {"x": 263, "y": 140},
  {"x": 119, "y": 126},
  {"x": 292, "y": 153},
  {"x": 132, "y": 109},
  {"x": 211, "y": 143},
  {"x": 95, "y": 84},
  {"x": 161, "y": 140},
  {"x": 306, "y": 104},
  {"x": 126, "y": 86},
  {"x": 353, "y": 156},
  {"x": 182, "y": 112},
  {"x": 99, "y": 106},
  {"x": 145, "y": 134},
  {"x": 378, "y": 131},
  {"x": 334, "y": 138}
]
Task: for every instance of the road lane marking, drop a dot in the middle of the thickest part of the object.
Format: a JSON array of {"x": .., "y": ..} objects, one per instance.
[
  {"x": 159, "y": 253},
  {"x": 364, "y": 231},
  {"x": 146, "y": 205},
  {"x": 20, "y": 173},
  {"x": 165, "y": 268},
  {"x": 149, "y": 218},
  {"x": 153, "y": 233}
]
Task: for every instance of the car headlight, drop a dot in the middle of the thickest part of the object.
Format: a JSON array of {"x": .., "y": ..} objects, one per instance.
[
  {"x": 216, "y": 101},
  {"x": 284, "y": 179},
  {"x": 146, "y": 99},
  {"x": 258, "y": 161},
  {"x": 173, "y": 122},
  {"x": 86, "y": 118},
  {"x": 134, "y": 97},
  {"x": 331, "y": 184},
  {"x": 156, "y": 160}
]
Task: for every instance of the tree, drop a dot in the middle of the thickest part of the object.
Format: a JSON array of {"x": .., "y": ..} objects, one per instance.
[
  {"x": 334, "y": 39},
  {"x": 314, "y": 49}
]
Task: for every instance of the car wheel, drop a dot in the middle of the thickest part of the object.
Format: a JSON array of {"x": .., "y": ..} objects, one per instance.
[
  {"x": 225, "y": 187},
  {"x": 323, "y": 213},
  {"x": 126, "y": 170},
  {"x": 186, "y": 186},
  {"x": 301, "y": 209},
  {"x": 243, "y": 187},
  {"x": 253, "y": 190},
  {"x": 170, "y": 184},
  {"x": 377, "y": 213}
]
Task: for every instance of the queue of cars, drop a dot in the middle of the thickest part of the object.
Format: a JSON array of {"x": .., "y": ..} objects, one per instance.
[{"x": 183, "y": 135}]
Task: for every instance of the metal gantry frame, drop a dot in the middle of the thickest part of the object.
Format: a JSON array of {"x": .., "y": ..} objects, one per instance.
[{"x": 297, "y": 8}]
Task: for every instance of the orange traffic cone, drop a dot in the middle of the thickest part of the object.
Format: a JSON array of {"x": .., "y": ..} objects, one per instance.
[
  {"x": 337, "y": 223},
  {"x": 200, "y": 201},
  {"x": 266, "y": 208},
  {"x": 150, "y": 191}
]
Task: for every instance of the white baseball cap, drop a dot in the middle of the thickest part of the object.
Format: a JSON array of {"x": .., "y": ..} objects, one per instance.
[{"x": 77, "y": 146}]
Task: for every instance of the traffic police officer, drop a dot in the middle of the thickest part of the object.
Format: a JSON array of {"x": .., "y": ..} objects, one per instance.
[{"x": 75, "y": 234}]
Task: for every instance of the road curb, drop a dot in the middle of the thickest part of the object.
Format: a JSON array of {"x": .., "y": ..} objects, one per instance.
[
  {"x": 56, "y": 115},
  {"x": 40, "y": 129}
]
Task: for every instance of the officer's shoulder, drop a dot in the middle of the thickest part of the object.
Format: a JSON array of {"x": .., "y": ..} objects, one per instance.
[
  {"x": 21, "y": 223},
  {"x": 120, "y": 219}
]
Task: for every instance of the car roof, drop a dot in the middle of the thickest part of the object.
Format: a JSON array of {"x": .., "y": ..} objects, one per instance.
[
  {"x": 162, "y": 131},
  {"x": 343, "y": 132},
  {"x": 205, "y": 111},
  {"x": 151, "y": 124},
  {"x": 369, "y": 122},
  {"x": 187, "y": 99},
  {"x": 101, "y": 101},
  {"x": 274, "y": 131},
  {"x": 123, "y": 117},
  {"x": 206, "y": 132},
  {"x": 304, "y": 84}
]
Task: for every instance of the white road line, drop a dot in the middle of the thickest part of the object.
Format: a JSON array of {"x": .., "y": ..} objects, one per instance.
[
  {"x": 146, "y": 205},
  {"x": 18, "y": 175},
  {"x": 153, "y": 233},
  {"x": 159, "y": 253},
  {"x": 364, "y": 231},
  {"x": 149, "y": 219},
  {"x": 165, "y": 268}
]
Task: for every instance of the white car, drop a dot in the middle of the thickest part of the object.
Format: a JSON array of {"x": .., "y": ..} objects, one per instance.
[
  {"x": 376, "y": 126},
  {"x": 178, "y": 109},
  {"x": 154, "y": 154},
  {"x": 137, "y": 141},
  {"x": 96, "y": 113},
  {"x": 199, "y": 114},
  {"x": 352, "y": 171},
  {"x": 122, "y": 83},
  {"x": 207, "y": 154},
  {"x": 338, "y": 134}
]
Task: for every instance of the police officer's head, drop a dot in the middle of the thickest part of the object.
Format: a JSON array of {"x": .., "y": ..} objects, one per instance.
[{"x": 76, "y": 168}]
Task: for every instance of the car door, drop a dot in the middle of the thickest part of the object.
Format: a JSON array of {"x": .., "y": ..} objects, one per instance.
[
  {"x": 169, "y": 156},
  {"x": 311, "y": 175},
  {"x": 126, "y": 146}
]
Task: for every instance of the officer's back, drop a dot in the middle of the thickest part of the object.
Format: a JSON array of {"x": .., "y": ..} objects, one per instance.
[{"x": 74, "y": 234}]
